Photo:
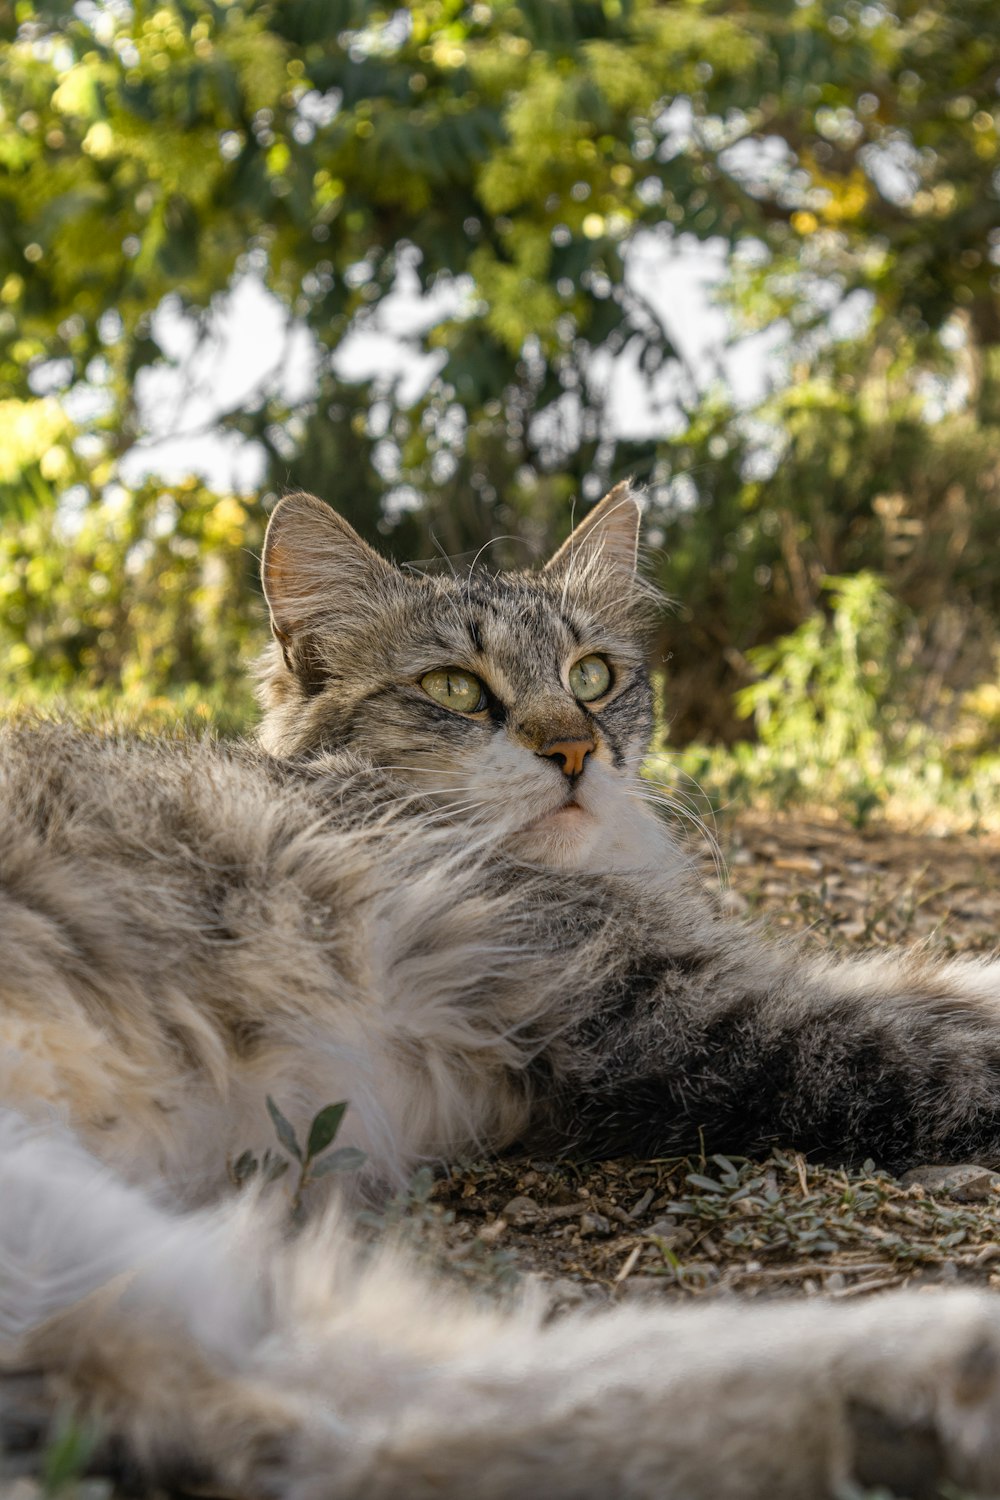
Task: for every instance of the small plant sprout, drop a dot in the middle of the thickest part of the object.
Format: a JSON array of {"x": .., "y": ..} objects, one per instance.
[
  {"x": 314, "y": 1160},
  {"x": 70, "y": 1448}
]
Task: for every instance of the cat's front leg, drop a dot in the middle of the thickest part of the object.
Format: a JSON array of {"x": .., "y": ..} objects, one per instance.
[
  {"x": 899, "y": 1393},
  {"x": 792, "y": 1402},
  {"x": 737, "y": 1045},
  {"x": 902, "y": 1393}
]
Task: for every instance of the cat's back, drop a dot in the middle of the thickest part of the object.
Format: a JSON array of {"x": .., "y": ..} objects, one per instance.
[
  {"x": 137, "y": 866},
  {"x": 181, "y": 920},
  {"x": 84, "y": 791},
  {"x": 188, "y": 926}
]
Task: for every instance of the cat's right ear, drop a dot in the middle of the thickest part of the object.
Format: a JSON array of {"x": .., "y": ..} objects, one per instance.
[
  {"x": 316, "y": 572},
  {"x": 610, "y": 531}
]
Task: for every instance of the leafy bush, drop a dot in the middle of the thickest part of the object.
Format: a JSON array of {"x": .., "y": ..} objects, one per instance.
[
  {"x": 145, "y": 602},
  {"x": 832, "y": 687},
  {"x": 835, "y": 707}
]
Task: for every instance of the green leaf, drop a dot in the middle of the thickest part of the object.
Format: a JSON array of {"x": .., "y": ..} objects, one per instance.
[
  {"x": 324, "y": 1128},
  {"x": 244, "y": 1167},
  {"x": 67, "y": 1455},
  {"x": 728, "y": 1168},
  {"x": 706, "y": 1184},
  {"x": 283, "y": 1129},
  {"x": 345, "y": 1159}
]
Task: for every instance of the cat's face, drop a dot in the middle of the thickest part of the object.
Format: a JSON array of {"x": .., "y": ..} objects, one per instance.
[{"x": 518, "y": 703}]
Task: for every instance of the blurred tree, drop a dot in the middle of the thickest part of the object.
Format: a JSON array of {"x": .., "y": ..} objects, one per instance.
[
  {"x": 145, "y": 593},
  {"x": 506, "y": 157}
]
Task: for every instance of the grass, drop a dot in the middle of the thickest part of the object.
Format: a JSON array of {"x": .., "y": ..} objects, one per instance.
[{"x": 937, "y": 791}]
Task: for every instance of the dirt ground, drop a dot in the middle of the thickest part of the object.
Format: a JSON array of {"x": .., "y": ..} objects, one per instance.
[{"x": 773, "y": 1227}]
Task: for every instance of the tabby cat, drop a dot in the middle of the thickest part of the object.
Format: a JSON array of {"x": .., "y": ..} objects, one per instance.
[{"x": 436, "y": 888}]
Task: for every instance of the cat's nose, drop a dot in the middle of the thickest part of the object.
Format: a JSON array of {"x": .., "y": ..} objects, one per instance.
[{"x": 572, "y": 754}]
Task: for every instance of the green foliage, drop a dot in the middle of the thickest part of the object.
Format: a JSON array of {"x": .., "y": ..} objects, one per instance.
[
  {"x": 504, "y": 158},
  {"x": 314, "y": 1160},
  {"x": 67, "y": 1455},
  {"x": 864, "y": 482},
  {"x": 138, "y": 599},
  {"x": 836, "y": 706},
  {"x": 831, "y": 683}
]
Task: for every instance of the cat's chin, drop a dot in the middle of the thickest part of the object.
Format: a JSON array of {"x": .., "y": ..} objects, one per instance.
[{"x": 565, "y": 838}]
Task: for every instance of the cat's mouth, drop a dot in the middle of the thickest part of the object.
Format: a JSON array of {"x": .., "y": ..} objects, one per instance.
[{"x": 566, "y": 813}]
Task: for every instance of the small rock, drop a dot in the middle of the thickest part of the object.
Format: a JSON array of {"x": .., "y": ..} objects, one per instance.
[
  {"x": 668, "y": 1231},
  {"x": 520, "y": 1212},
  {"x": 490, "y": 1233},
  {"x": 593, "y": 1223},
  {"x": 966, "y": 1183},
  {"x": 800, "y": 864},
  {"x": 566, "y": 1210}
]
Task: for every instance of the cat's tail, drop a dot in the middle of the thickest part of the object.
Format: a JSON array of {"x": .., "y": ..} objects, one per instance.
[{"x": 209, "y": 1351}]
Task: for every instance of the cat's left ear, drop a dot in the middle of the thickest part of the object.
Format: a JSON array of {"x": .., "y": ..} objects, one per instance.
[
  {"x": 317, "y": 574},
  {"x": 611, "y": 530}
]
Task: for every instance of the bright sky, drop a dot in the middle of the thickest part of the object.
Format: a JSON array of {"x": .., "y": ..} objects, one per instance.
[{"x": 250, "y": 347}]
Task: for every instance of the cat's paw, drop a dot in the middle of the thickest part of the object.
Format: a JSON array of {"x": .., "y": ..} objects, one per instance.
[
  {"x": 824, "y": 1400},
  {"x": 920, "y": 1380}
]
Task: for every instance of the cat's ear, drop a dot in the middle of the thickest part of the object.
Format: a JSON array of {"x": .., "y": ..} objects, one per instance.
[
  {"x": 611, "y": 531},
  {"x": 315, "y": 571}
]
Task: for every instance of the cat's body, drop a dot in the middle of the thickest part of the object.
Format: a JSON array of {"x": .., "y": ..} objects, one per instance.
[{"x": 436, "y": 892}]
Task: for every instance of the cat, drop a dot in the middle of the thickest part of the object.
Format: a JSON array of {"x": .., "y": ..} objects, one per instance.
[{"x": 435, "y": 887}]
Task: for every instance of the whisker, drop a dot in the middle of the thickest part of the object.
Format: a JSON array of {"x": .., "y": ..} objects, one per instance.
[
  {"x": 444, "y": 554},
  {"x": 681, "y": 806},
  {"x": 483, "y": 548}
]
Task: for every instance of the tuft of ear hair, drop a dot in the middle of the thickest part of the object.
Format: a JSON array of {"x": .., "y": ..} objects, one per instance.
[
  {"x": 314, "y": 567},
  {"x": 610, "y": 531}
]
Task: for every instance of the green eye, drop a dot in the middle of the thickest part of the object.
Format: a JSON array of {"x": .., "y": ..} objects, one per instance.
[
  {"x": 455, "y": 689},
  {"x": 589, "y": 678}
]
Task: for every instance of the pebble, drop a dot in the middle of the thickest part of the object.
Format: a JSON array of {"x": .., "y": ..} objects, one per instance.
[
  {"x": 668, "y": 1231},
  {"x": 520, "y": 1212},
  {"x": 800, "y": 864},
  {"x": 593, "y": 1223},
  {"x": 966, "y": 1183}
]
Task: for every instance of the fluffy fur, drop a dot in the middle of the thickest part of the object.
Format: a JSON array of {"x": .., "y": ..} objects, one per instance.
[{"x": 477, "y": 936}]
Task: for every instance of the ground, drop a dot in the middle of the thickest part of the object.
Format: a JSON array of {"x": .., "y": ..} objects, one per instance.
[{"x": 780, "y": 1226}]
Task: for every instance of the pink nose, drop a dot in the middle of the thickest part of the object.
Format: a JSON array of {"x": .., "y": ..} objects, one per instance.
[{"x": 572, "y": 753}]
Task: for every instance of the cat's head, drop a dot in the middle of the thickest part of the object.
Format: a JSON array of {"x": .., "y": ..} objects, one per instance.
[{"x": 518, "y": 703}]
